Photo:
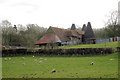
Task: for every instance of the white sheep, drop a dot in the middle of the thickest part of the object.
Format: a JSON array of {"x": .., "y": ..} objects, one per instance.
[
  {"x": 23, "y": 64},
  {"x": 33, "y": 56},
  {"x": 92, "y": 63},
  {"x": 23, "y": 58},
  {"x": 53, "y": 70},
  {"x": 9, "y": 58},
  {"x": 45, "y": 59},
  {"x": 41, "y": 58},
  {"x": 40, "y": 61},
  {"x": 13, "y": 62},
  {"x": 5, "y": 59},
  {"x": 111, "y": 59},
  {"x": 35, "y": 59}
]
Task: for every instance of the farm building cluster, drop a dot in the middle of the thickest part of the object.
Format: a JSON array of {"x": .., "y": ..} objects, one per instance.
[{"x": 71, "y": 36}]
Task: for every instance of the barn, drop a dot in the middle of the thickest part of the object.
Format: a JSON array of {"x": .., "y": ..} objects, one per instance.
[{"x": 60, "y": 36}]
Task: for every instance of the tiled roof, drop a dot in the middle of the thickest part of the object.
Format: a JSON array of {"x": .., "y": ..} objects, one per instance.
[
  {"x": 48, "y": 38},
  {"x": 63, "y": 34}
]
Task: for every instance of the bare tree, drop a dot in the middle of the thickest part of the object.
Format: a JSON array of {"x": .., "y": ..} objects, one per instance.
[
  {"x": 19, "y": 35},
  {"x": 112, "y": 27},
  {"x": 5, "y": 24},
  {"x": 32, "y": 33},
  {"x": 113, "y": 18}
]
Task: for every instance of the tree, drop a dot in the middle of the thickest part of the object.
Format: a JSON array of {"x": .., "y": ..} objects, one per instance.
[
  {"x": 112, "y": 27},
  {"x": 113, "y": 18},
  {"x": 19, "y": 35},
  {"x": 99, "y": 33},
  {"x": 33, "y": 33},
  {"x": 5, "y": 24}
]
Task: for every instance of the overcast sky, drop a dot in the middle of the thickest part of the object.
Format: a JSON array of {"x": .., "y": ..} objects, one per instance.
[{"x": 57, "y": 13}]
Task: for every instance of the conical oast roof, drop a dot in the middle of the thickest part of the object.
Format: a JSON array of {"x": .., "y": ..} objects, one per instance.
[
  {"x": 73, "y": 27},
  {"x": 89, "y": 32},
  {"x": 84, "y": 26}
]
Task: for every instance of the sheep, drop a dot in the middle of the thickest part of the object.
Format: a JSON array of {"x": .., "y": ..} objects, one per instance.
[
  {"x": 9, "y": 58},
  {"x": 35, "y": 59},
  {"x": 92, "y": 63},
  {"x": 23, "y": 64},
  {"x": 33, "y": 56},
  {"x": 41, "y": 58},
  {"x": 23, "y": 58},
  {"x": 45, "y": 59},
  {"x": 53, "y": 70},
  {"x": 40, "y": 61},
  {"x": 5, "y": 59},
  {"x": 13, "y": 62},
  {"x": 111, "y": 59}
]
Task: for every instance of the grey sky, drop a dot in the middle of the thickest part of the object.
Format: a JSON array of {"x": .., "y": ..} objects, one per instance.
[{"x": 57, "y": 13}]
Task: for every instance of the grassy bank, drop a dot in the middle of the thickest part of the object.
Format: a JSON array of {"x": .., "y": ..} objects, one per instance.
[{"x": 101, "y": 45}]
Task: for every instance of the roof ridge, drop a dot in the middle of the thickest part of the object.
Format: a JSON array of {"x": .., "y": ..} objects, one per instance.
[{"x": 59, "y": 28}]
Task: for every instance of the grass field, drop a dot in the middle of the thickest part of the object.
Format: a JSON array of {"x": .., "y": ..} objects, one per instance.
[
  {"x": 109, "y": 44},
  {"x": 66, "y": 67}
]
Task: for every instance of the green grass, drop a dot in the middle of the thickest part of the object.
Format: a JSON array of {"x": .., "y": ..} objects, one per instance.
[
  {"x": 0, "y": 68},
  {"x": 101, "y": 45},
  {"x": 66, "y": 67}
]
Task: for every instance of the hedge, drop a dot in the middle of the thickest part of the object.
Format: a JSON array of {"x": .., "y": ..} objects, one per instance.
[
  {"x": 58, "y": 52},
  {"x": 118, "y": 49}
]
